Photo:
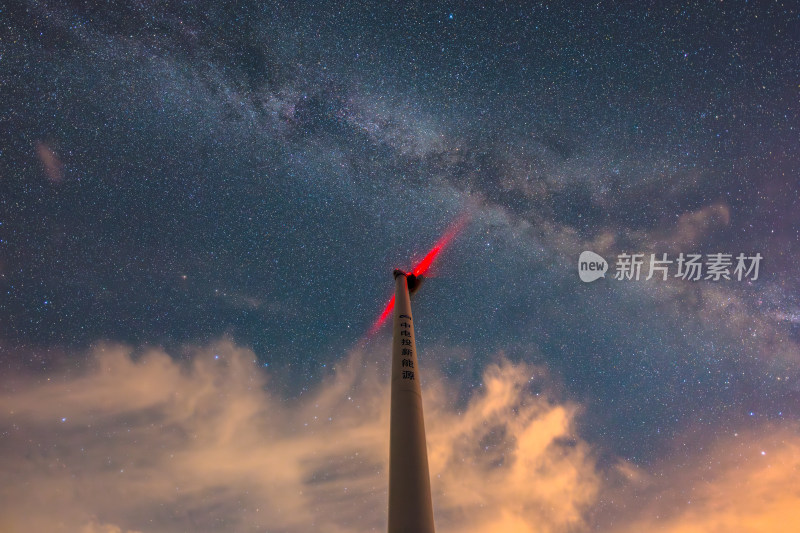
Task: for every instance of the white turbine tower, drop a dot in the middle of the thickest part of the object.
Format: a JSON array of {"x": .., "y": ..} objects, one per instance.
[{"x": 410, "y": 507}]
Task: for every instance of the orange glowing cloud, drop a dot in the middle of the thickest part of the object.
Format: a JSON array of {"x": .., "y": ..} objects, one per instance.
[
  {"x": 146, "y": 443},
  {"x": 510, "y": 461},
  {"x": 746, "y": 483},
  {"x": 150, "y": 444}
]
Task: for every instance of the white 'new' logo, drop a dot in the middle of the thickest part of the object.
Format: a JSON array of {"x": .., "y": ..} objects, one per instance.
[{"x": 591, "y": 266}]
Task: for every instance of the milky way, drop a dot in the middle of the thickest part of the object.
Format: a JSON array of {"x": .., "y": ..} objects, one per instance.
[{"x": 179, "y": 178}]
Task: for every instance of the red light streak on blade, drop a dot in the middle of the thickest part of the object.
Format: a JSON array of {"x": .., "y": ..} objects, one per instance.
[
  {"x": 424, "y": 265},
  {"x": 381, "y": 319},
  {"x": 454, "y": 230}
]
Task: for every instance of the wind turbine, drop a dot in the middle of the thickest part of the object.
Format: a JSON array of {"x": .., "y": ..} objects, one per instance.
[{"x": 410, "y": 506}]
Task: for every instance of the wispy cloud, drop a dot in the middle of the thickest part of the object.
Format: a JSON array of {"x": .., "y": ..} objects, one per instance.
[
  {"x": 152, "y": 444},
  {"x": 744, "y": 482},
  {"x": 148, "y": 443}
]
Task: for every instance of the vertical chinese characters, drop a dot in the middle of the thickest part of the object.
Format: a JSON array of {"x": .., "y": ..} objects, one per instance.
[{"x": 407, "y": 362}]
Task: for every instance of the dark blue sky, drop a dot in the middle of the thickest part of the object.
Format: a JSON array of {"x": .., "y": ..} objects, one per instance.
[{"x": 175, "y": 174}]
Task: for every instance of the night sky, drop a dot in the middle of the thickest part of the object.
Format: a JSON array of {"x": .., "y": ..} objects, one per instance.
[{"x": 201, "y": 205}]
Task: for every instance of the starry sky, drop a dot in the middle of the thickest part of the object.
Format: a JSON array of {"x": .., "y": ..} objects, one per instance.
[{"x": 201, "y": 205}]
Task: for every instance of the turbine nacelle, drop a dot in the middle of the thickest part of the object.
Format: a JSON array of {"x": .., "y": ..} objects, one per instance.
[
  {"x": 414, "y": 281},
  {"x": 415, "y": 276}
]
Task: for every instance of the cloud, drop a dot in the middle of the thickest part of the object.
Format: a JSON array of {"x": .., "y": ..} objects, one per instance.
[
  {"x": 149, "y": 443},
  {"x": 51, "y": 163},
  {"x": 726, "y": 306},
  {"x": 153, "y": 444},
  {"x": 694, "y": 227},
  {"x": 746, "y": 483},
  {"x": 510, "y": 460}
]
